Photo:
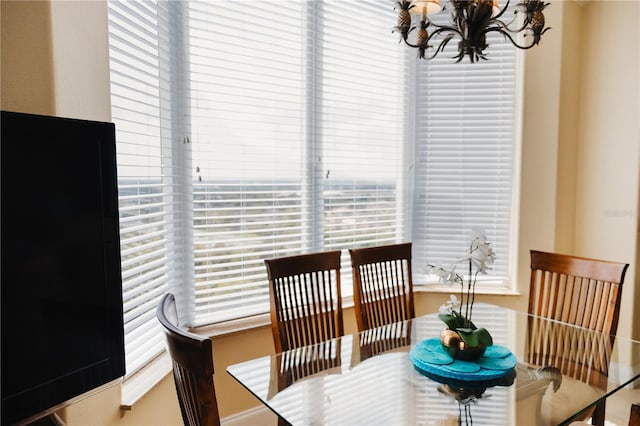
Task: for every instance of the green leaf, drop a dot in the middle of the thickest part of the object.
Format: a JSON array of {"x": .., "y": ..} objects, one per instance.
[
  {"x": 479, "y": 336},
  {"x": 452, "y": 321},
  {"x": 468, "y": 336},
  {"x": 484, "y": 336},
  {"x": 456, "y": 321}
]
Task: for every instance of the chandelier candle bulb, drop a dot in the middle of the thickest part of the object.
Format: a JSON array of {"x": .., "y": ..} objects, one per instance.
[
  {"x": 430, "y": 6},
  {"x": 496, "y": 8}
]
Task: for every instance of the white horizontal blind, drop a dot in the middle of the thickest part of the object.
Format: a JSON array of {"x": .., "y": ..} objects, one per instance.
[
  {"x": 360, "y": 126},
  {"x": 247, "y": 79},
  {"x": 465, "y": 131},
  {"x": 296, "y": 143},
  {"x": 140, "y": 89}
]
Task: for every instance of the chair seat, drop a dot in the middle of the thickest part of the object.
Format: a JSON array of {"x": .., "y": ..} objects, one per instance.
[{"x": 567, "y": 401}]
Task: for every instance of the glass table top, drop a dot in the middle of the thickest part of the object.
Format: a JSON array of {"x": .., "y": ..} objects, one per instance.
[{"x": 368, "y": 378}]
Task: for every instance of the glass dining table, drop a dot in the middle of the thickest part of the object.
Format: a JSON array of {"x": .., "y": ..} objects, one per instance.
[{"x": 562, "y": 371}]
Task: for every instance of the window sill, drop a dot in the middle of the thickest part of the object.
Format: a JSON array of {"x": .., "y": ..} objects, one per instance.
[
  {"x": 141, "y": 382},
  {"x": 488, "y": 288}
]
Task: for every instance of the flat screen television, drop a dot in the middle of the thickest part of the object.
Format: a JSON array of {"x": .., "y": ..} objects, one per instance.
[{"x": 60, "y": 277}]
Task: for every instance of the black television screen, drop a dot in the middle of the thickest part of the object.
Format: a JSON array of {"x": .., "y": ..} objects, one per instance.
[{"x": 61, "y": 285}]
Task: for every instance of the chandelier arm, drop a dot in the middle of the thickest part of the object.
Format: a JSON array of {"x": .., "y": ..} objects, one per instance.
[
  {"x": 508, "y": 36},
  {"x": 437, "y": 31},
  {"x": 517, "y": 30},
  {"x": 507, "y": 25},
  {"x": 441, "y": 46},
  {"x": 438, "y": 26}
]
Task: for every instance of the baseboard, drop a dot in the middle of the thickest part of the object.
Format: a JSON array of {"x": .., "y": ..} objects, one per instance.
[{"x": 259, "y": 415}]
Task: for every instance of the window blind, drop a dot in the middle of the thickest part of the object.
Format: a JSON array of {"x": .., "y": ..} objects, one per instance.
[
  {"x": 464, "y": 161},
  {"x": 360, "y": 125},
  {"x": 294, "y": 146},
  {"x": 137, "y": 62},
  {"x": 247, "y": 95}
]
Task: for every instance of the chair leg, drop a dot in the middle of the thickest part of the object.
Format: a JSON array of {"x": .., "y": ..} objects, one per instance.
[
  {"x": 634, "y": 415},
  {"x": 282, "y": 422},
  {"x": 597, "y": 419}
]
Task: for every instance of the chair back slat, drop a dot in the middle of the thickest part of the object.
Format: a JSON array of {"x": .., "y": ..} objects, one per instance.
[
  {"x": 306, "y": 305},
  {"x": 578, "y": 291},
  {"x": 382, "y": 285},
  {"x": 192, "y": 359}
]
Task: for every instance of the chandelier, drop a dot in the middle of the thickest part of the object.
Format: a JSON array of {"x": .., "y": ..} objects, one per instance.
[{"x": 470, "y": 23}]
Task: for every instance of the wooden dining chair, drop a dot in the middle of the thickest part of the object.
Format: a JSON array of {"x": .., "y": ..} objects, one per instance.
[
  {"x": 634, "y": 414},
  {"x": 305, "y": 298},
  {"x": 585, "y": 293},
  {"x": 192, "y": 359},
  {"x": 382, "y": 285}
]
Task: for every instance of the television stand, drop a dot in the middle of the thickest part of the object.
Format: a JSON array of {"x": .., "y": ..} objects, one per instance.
[{"x": 52, "y": 419}]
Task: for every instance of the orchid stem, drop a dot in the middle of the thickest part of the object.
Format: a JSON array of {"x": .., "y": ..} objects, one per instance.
[
  {"x": 473, "y": 292},
  {"x": 467, "y": 310}
]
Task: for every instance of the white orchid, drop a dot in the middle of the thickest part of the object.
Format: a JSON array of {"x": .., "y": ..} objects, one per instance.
[
  {"x": 457, "y": 313},
  {"x": 481, "y": 253},
  {"x": 446, "y": 274},
  {"x": 450, "y": 305}
]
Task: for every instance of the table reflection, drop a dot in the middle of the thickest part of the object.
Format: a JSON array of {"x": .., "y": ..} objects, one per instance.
[
  {"x": 296, "y": 364},
  {"x": 368, "y": 378},
  {"x": 582, "y": 358}
]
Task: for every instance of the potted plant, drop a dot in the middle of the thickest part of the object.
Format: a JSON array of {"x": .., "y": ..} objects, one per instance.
[{"x": 462, "y": 338}]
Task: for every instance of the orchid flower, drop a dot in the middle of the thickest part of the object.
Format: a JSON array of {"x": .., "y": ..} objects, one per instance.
[
  {"x": 450, "y": 305},
  {"x": 447, "y": 275},
  {"x": 481, "y": 253}
]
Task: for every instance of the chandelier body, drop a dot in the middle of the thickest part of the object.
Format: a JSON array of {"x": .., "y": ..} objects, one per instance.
[{"x": 470, "y": 23}]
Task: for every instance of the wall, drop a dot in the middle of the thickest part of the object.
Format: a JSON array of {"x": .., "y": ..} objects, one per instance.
[
  {"x": 81, "y": 59},
  {"x": 580, "y": 148},
  {"x": 580, "y": 167},
  {"x": 569, "y": 101},
  {"x": 540, "y": 147},
  {"x": 26, "y": 63},
  {"x": 607, "y": 154}
]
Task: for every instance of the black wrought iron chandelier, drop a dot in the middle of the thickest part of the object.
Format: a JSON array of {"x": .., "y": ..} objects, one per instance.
[{"x": 470, "y": 23}]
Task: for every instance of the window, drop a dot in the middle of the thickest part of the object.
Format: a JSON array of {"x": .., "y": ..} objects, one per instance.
[
  {"x": 288, "y": 127},
  {"x": 465, "y": 135}
]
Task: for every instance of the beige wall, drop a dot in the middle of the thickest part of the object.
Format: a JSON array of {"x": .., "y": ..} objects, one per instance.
[
  {"x": 607, "y": 153},
  {"x": 81, "y": 59},
  {"x": 26, "y": 61},
  {"x": 580, "y": 171}
]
